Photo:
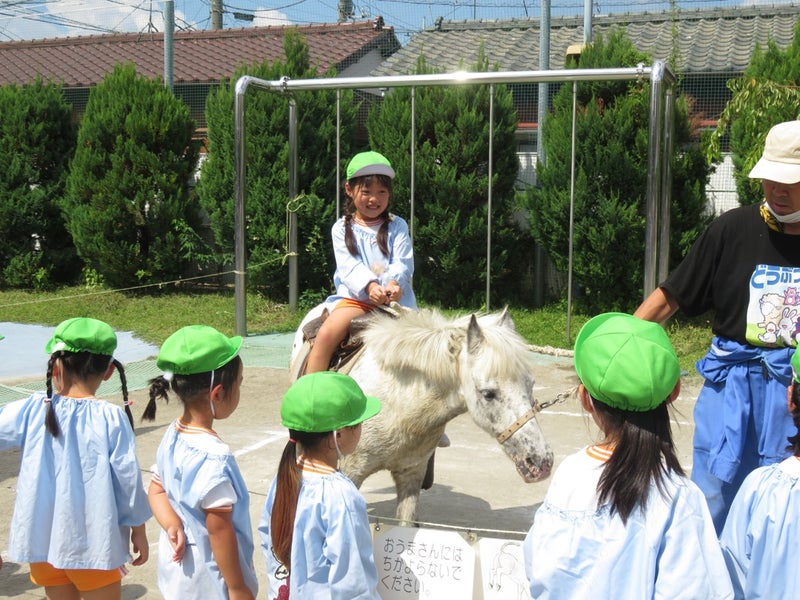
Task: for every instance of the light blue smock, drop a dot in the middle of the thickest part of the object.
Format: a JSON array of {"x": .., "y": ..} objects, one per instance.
[
  {"x": 77, "y": 494},
  {"x": 353, "y": 273},
  {"x": 668, "y": 550},
  {"x": 187, "y": 474},
  {"x": 761, "y": 535},
  {"x": 740, "y": 416},
  {"x": 332, "y": 555}
]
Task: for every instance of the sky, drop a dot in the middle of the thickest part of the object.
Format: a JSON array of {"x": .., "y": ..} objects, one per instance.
[{"x": 37, "y": 19}]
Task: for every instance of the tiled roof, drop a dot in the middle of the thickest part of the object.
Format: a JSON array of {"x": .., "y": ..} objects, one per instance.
[
  {"x": 720, "y": 40},
  {"x": 198, "y": 56}
]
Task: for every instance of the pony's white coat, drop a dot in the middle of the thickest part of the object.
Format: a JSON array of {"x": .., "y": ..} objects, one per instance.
[{"x": 427, "y": 369}]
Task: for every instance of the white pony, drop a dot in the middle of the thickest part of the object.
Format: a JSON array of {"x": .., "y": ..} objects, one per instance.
[{"x": 427, "y": 370}]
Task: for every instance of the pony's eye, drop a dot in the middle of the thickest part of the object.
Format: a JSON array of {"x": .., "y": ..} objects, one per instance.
[{"x": 489, "y": 395}]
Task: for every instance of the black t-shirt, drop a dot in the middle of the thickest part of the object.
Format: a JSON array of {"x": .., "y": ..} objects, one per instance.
[{"x": 748, "y": 273}]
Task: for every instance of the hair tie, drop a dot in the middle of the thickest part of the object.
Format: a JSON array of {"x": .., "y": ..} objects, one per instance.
[
  {"x": 127, "y": 402},
  {"x": 46, "y": 400},
  {"x": 292, "y": 441},
  {"x": 167, "y": 375}
]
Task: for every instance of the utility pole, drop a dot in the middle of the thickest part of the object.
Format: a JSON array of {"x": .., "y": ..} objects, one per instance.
[
  {"x": 345, "y": 10},
  {"x": 169, "y": 45},
  {"x": 216, "y": 14}
]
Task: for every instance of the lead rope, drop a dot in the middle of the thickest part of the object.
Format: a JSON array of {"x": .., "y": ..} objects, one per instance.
[{"x": 517, "y": 425}]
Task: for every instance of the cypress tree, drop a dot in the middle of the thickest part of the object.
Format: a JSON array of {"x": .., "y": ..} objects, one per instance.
[
  {"x": 37, "y": 139},
  {"x": 129, "y": 205}
]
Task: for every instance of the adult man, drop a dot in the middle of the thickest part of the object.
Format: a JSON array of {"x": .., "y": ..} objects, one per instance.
[{"x": 746, "y": 267}]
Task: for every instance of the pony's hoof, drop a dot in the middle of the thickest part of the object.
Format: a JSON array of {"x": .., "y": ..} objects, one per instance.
[{"x": 444, "y": 441}]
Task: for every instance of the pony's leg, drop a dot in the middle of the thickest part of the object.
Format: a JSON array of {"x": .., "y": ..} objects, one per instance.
[
  {"x": 427, "y": 480},
  {"x": 408, "y": 484}
]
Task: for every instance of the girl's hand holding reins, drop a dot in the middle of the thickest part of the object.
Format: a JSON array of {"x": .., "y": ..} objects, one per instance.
[
  {"x": 393, "y": 291},
  {"x": 377, "y": 293}
]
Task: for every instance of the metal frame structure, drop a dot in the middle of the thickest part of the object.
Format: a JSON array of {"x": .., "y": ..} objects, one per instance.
[{"x": 660, "y": 139}]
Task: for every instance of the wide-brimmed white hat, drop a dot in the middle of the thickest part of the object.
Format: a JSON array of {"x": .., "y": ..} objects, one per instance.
[{"x": 781, "y": 159}]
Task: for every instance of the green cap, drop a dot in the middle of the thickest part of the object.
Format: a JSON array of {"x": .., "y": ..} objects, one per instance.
[
  {"x": 369, "y": 163},
  {"x": 626, "y": 362},
  {"x": 197, "y": 349},
  {"x": 326, "y": 401},
  {"x": 82, "y": 334},
  {"x": 796, "y": 366}
]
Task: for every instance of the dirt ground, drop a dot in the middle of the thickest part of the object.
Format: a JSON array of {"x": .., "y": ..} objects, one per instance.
[{"x": 476, "y": 486}]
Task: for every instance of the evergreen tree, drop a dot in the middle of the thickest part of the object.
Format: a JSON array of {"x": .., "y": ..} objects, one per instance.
[
  {"x": 451, "y": 188},
  {"x": 267, "y": 176},
  {"x": 610, "y": 182},
  {"x": 129, "y": 205},
  {"x": 767, "y": 93},
  {"x": 37, "y": 139}
]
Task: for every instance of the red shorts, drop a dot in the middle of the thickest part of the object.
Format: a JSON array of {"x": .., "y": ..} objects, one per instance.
[{"x": 85, "y": 580}]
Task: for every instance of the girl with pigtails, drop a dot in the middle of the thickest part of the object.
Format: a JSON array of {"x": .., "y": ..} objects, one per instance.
[
  {"x": 197, "y": 492},
  {"x": 80, "y": 502},
  {"x": 374, "y": 257}
]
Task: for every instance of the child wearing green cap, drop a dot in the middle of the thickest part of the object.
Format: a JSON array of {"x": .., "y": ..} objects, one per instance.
[
  {"x": 374, "y": 257},
  {"x": 197, "y": 493},
  {"x": 80, "y": 502},
  {"x": 314, "y": 530},
  {"x": 762, "y": 528},
  {"x": 620, "y": 518}
]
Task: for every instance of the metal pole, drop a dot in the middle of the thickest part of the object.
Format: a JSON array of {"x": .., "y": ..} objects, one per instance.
[
  {"x": 292, "y": 233},
  {"x": 239, "y": 195},
  {"x": 653, "y": 179},
  {"x": 286, "y": 85},
  {"x": 489, "y": 201},
  {"x": 571, "y": 210},
  {"x": 666, "y": 191},
  {"x": 413, "y": 174},
  {"x": 541, "y": 158},
  {"x": 338, "y": 152},
  {"x": 169, "y": 42},
  {"x": 587, "y": 21}
]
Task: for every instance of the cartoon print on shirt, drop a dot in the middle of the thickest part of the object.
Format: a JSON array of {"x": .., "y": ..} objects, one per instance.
[{"x": 772, "y": 313}]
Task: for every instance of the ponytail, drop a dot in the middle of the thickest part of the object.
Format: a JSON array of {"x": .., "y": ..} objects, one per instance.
[
  {"x": 644, "y": 453},
  {"x": 287, "y": 490},
  {"x": 159, "y": 388}
]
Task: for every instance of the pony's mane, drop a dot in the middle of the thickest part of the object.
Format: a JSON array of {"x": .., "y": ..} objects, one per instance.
[{"x": 426, "y": 342}]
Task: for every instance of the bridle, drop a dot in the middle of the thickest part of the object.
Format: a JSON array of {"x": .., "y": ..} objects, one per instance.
[{"x": 531, "y": 413}]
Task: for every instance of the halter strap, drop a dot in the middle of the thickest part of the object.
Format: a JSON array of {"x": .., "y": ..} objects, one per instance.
[{"x": 516, "y": 425}]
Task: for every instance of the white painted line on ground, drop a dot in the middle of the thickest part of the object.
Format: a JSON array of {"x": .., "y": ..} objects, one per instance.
[{"x": 274, "y": 436}]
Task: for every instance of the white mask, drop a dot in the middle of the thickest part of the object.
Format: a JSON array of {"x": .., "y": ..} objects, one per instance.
[{"x": 790, "y": 218}]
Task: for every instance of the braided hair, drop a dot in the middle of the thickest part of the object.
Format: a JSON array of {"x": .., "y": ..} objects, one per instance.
[
  {"x": 82, "y": 365},
  {"x": 350, "y": 210}
]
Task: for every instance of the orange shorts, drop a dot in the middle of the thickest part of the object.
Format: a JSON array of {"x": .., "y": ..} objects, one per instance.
[
  {"x": 85, "y": 580},
  {"x": 350, "y": 303}
]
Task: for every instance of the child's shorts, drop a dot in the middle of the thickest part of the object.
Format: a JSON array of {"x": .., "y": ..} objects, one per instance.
[{"x": 85, "y": 580}]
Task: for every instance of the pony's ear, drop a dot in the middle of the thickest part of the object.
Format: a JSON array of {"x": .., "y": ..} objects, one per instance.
[
  {"x": 474, "y": 335},
  {"x": 505, "y": 320}
]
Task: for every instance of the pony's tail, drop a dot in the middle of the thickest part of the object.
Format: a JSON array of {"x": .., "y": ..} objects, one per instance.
[{"x": 284, "y": 508}]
